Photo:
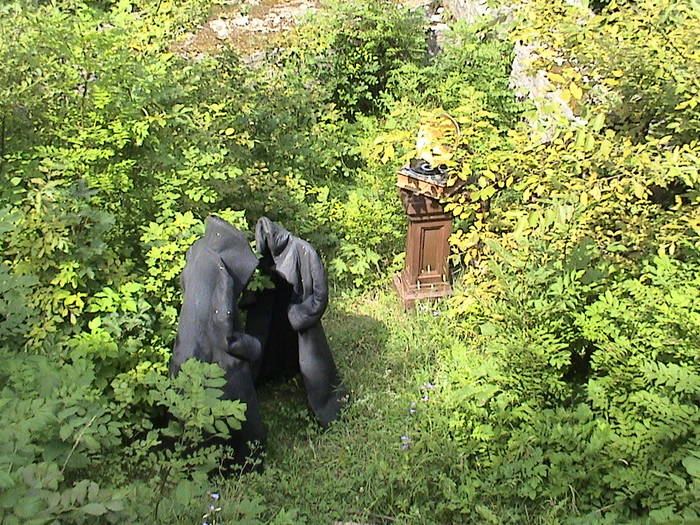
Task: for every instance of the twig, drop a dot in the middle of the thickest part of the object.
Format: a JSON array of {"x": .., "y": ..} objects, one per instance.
[
  {"x": 77, "y": 440},
  {"x": 606, "y": 507},
  {"x": 373, "y": 515},
  {"x": 162, "y": 488},
  {"x": 2, "y": 136},
  {"x": 2, "y": 143},
  {"x": 573, "y": 498}
]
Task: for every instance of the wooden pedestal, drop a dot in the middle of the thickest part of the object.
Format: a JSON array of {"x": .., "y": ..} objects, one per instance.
[{"x": 426, "y": 274}]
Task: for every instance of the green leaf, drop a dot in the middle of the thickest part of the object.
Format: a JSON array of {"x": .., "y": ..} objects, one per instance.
[
  {"x": 598, "y": 121},
  {"x": 233, "y": 423},
  {"x": 115, "y": 505},
  {"x": 488, "y": 329},
  {"x": 576, "y": 91},
  {"x": 221, "y": 427},
  {"x": 28, "y": 507},
  {"x": 6, "y": 480},
  {"x": 90, "y": 442},
  {"x": 216, "y": 383},
  {"x": 94, "y": 509},
  {"x": 692, "y": 465}
]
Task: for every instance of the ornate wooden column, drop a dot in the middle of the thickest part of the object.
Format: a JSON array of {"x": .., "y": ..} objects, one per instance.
[{"x": 426, "y": 273}]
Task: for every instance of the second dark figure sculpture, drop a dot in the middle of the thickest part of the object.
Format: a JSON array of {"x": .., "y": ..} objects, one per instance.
[
  {"x": 283, "y": 334},
  {"x": 287, "y": 320}
]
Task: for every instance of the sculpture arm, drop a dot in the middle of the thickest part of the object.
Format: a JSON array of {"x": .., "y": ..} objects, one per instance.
[
  {"x": 244, "y": 346},
  {"x": 309, "y": 311}
]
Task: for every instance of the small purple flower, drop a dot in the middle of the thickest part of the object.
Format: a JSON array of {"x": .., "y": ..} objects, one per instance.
[
  {"x": 215, "y": 496},
  {"x": 425, "y": 398},
  {"x": 436, "y": 313},
  {"x": 405, "y": 442},
  {"x": 428, "y": 386},
  {"x": 412, "y": 408},
  {"x": 205, "y": 523}
]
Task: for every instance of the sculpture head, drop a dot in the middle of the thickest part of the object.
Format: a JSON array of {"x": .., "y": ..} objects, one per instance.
[
  {"x": 231, "y": 244},
  {"x": 270, "y": 238}
]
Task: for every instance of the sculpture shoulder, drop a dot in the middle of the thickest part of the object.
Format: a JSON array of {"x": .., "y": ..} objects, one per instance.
[
  {"x": 302, "y": 252},
  {"x": 299, "y": 262},
  {"x": 201, "y": 259},
  {"x": 307, "y": 249}
]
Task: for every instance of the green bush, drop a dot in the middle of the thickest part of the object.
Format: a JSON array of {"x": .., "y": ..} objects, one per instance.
[
  {"x": 70, "y": 451},
  {"x": 582, "y": 397},
  {"x": 568, "y": 387},
  {"x": 474, "y": 65},
  {"x": 645, "y": 380},
  {"x": 349, "y": 51}
]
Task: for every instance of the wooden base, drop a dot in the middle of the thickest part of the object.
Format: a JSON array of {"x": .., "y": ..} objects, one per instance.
[{"x": 410, "y": 293}]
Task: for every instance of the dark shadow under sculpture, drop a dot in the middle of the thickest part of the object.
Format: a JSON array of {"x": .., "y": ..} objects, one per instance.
[{"x": 283, "y": 333}]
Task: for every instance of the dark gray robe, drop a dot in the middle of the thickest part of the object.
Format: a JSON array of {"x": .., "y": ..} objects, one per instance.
[
  {"x": 218, "y": 267},
  {"x": 283, "y": 332},
  {"x": 287, "y": 320}
]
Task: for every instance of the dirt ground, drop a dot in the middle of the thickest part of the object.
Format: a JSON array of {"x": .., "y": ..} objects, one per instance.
[
  {"x": 251, "y": 26},
  {"x": 248, "y": 25}
]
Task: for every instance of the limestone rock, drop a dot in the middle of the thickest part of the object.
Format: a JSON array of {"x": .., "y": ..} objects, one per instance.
[
  {"x": 469, "y": 10},
  {"x": 241, "y": 21},
  {"x": 220, "y": 28}
]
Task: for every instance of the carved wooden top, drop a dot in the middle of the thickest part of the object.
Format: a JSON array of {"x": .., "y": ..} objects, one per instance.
[{"x": 434, "y": 187}]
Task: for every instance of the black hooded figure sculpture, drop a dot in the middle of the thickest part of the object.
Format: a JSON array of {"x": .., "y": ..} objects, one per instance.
[
  {"x": 218, "y": 267},
  {"x": 287, "y": 320},
  {"x": 283, "y": 333}
]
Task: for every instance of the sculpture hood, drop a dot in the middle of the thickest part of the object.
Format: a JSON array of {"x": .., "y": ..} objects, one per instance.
[
  {"x": 298, "y": 263},
  {"x": 271, "y": 238},
  {"x": 231, "y": 245}
]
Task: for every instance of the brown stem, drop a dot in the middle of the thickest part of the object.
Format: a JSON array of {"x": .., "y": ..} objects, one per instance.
[
  {"x": 373, "y": 515},
  {"x": 2, "y": 143}
]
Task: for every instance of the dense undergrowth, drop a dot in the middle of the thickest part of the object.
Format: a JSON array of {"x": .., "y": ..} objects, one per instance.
[{"x": 560, "y": 384}]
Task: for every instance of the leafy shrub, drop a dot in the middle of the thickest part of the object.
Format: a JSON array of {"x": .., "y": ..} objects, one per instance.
[
  {"x": 645, "y": 379},
  {"x": 58, "y": 427},
  {"x": 350, "y": 50},
  {"x": 582, "y": 398},
  {"x": 626, "y": 174},
  {"x": 68, "y": 443},
  {"x": 474, "y": 64}
]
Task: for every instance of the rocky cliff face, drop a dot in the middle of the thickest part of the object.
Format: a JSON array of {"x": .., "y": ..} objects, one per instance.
[
  {"x": 525, "y": 82},
  {"x": 469, "y": 10}
]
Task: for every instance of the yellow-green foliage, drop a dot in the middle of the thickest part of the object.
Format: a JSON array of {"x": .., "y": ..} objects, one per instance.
[
  {"x": 567, "y": 365},
  {"x": 627, "y": 174},
  {"x": 579, "y": 246}
]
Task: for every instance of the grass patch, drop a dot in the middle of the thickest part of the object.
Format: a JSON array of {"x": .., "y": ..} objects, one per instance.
[{"x": 357, "y": 470}]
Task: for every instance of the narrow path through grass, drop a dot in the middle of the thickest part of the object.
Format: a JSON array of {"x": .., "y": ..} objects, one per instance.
[{"x": 357, "y": 470}]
